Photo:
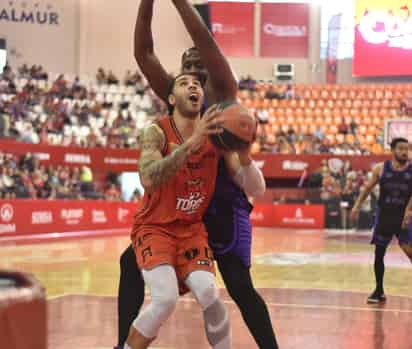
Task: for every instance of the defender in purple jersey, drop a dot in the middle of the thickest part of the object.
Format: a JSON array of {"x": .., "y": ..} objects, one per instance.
[{"x": 392, "y": 219}]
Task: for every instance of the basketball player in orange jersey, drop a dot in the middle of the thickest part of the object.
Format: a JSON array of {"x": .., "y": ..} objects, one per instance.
[
  {"x": 178, "y": 167},
  {"x": 227, "y": 220}
]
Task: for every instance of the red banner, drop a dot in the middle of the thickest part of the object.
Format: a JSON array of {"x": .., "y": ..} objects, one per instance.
[
  {"x": 284, "y": 30},
  {"x": 233, "y": 27},
  {"x": 289, "y": 216},
  {"x": 292, "y": 166},
  {"x": 99, "y": 159},
  {"x": 383, "y": 31},
  {"x": 299, "y": 216},
  {"x": 20, "y": 217},
  {"x": 262, "y": 215}
]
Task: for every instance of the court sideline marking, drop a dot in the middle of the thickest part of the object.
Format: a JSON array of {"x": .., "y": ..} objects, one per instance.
[{"x": 372, "y": 308}]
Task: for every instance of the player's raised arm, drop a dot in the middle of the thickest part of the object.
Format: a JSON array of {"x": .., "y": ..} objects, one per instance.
[
  {"x": 376, "y": 173},
  {"x": 222, "y": 77},
  {"x": 144, "y": 53}
]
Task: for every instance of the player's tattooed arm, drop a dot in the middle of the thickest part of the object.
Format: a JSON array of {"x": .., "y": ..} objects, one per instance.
[{"x": 155, "y": 169}]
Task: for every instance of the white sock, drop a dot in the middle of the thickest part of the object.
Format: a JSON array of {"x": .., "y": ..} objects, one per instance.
[{"x": 127, "y": 346}]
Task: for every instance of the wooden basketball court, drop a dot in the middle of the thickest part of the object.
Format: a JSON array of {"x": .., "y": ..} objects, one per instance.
[{"x": 314, "y": 282}]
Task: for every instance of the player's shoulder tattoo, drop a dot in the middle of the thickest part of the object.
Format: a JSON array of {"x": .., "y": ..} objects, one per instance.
[{"x": 152, "y": 137}]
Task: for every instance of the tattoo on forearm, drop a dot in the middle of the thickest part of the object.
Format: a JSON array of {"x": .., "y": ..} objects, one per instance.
[{"x": 156, "y": 172}]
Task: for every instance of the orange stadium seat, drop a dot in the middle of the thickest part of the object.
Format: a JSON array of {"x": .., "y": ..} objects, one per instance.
[
  {"x": 350, "y": 138},
  {"x": 272, "y": 120},
  {"x": 362, "y": 130},
  {"x": 372, "y": 130},
  {"x": 340, "y": 138},
  {"x": 333, "y": 129},
  {"x": 274, "y": 103},
  {"x": 337, "y": 120},
  {"x": 280, "y": 112},
  {"x": 370, "y": 139},
  {"x": 331, "y": 138}
]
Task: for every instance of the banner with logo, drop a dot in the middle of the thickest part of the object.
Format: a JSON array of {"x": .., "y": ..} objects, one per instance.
[
  {"x": 262, "y": 215},
  {"x": 299, "y": 216},
  {"x": 233, "y": 27},
  {"x": 284, "y": 30},
  {"x": 98, "y": 159},
  {"x": 105, "y": 160},
  {"x": 21, "y": 217},
  {"x": 294, "y": 166},
  {"x": 383, "y": 31},
  {"x": 288, "y": 216}
]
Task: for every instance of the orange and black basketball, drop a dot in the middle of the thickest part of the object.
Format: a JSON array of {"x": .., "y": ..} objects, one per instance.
[{"x": 239, "y": 128}]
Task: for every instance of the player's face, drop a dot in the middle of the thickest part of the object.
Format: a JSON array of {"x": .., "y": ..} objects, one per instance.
[
  {"x": 187, "y": 96},
  {"x": 400, "y": 152},
  {"x": 193, "y": 64}
]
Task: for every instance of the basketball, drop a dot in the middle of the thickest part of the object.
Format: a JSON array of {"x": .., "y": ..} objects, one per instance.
[{"x": 239, "y": 128}]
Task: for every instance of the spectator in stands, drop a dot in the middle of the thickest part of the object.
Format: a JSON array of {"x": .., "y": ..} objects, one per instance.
[
  {"x": 290, "y": 92},
  {"x": 128, "y": 79},
  {"x": 101, "y": 76},
  {"x": 262, "y": 115},
  {"x": 38, "y": 73},
  {"x": 353, "y": 127},
  {"x": 319, "y": 133},
  {"x": 247, "y": 83},
  {"x": 27, "y": 162},
  {"x": 406, "y": 106},
  {"x": 4, "y": 124},
  {"x": 141, "y": 87},
  {"x": 291, "y": 135},
  {"x": 112, "y": 193},
  {"x": 24, "y": 72},
  {"x": 284, "y": 146},
  {"x": 136, "y": 197},
  {"x": 272, "y": 93},
  {"x": 112, "y": 79},
  {"x": 29, "y": 134},
  {"x": 343, "y": 128}
]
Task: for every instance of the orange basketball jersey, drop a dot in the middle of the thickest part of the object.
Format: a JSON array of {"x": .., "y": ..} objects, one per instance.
[{"x": 184, "y": 199}]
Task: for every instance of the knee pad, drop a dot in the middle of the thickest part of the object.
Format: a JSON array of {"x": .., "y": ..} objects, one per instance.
[
  {"x": 215, "y": 314},
  {"x": 217, "y": 323},
  {"x": 203, "y": 286},
  {"x": 164, "y": 292},
  {"x": 156, "y": 313}
]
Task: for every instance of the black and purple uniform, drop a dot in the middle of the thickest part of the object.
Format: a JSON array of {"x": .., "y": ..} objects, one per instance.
[
  {"x": 227, "y": 218},
  {"x": 395, "y": 192}
]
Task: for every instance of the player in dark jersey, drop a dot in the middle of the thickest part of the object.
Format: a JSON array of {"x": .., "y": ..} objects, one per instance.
[
  {"x": 395, "y": 181},
  {"x": 227, "y": 220}
]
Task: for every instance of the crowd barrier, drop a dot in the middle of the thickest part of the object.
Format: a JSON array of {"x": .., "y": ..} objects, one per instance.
[
  {"x": 20, "y": 219},
  {"x": 28, "y": 217},
  {"x": 124, "y": 160},
  {"x": 98, "y": 159},
  {"x": 289, "y": 216}
]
